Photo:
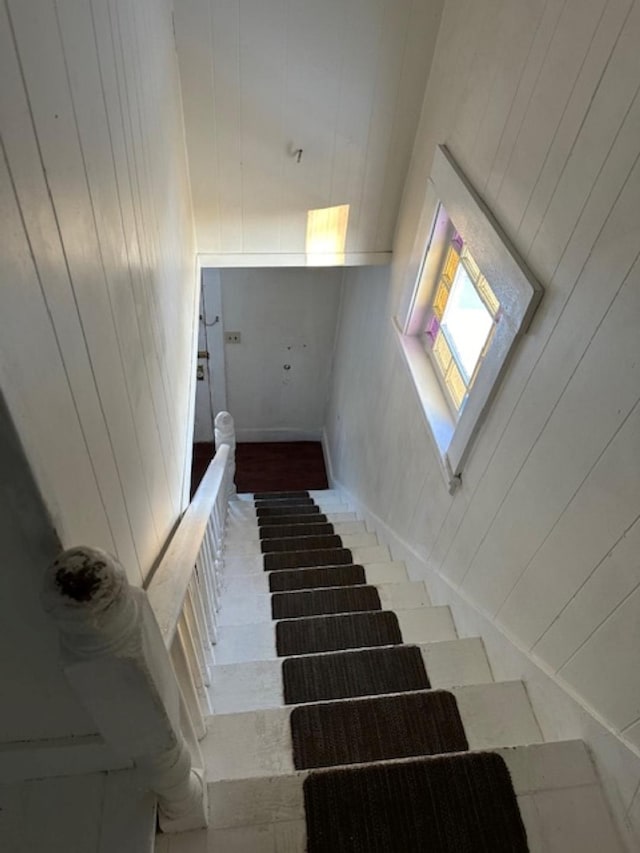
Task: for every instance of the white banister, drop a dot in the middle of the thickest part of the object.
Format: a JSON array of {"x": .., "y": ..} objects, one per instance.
[
  {"x": 140, "y": 660},
  {"x": 168, "y": 587},
  {"x": 116, "y": 660}
]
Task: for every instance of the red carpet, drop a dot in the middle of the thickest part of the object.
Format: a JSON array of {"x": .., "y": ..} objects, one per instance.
[{"x": 270, "y": 466}]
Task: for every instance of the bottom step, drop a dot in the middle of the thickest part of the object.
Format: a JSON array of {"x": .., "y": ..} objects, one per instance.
[{"x": 559, "y": 797}]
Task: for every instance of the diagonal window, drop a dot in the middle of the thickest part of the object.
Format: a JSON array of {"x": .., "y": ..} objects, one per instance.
[{"x": 461, "y": 321}]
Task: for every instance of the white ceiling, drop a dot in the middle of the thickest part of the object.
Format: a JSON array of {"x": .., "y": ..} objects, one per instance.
[{"x": 341, "y": 79}]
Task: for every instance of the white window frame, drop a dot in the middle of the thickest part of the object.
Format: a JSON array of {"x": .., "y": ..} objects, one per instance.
[{"x": 514, "y": 285}]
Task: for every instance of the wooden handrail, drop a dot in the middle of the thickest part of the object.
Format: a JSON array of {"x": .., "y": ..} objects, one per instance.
[{"x": 169, "y": 584}]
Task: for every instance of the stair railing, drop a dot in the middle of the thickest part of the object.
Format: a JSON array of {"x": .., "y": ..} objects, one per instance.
[{"x": 140, "y": 660}]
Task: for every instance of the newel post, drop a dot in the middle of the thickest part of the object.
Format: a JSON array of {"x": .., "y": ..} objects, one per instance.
[
  {"x": 115, "y": 660},
  {"x": 225, "y": 433}
]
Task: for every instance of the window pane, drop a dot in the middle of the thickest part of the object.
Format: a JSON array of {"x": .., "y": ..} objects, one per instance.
[{"x": 466, "y": 322}]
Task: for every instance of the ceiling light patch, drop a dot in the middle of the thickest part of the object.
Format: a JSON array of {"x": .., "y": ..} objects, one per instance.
[{"x": 327, "y": 235}]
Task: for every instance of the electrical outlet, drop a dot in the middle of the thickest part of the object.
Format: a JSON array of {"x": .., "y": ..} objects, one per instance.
[{"x": 232, "y": 337}]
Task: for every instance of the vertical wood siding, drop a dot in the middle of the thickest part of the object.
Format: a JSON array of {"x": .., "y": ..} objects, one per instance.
[
  {"x": 98, "y": 285},
  {"x": 539, "y": 103}
]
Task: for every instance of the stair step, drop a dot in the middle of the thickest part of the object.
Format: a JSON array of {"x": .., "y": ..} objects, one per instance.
[
  {"x": 359, "y": 554},
  {"x": 376, "y": 728},
  {"x": 235, "y": 548},
  {"x": 238, "y": 524},
  {"x": 259, "y": 744},
  {"x": 275, "y": 532},
  {"x": 238, "y": 643},
  {"x": 316, "y": 602},
  {"x": 265, "y": 496},
  {"x": 445, "y": 803},
  {"x": 247, "y": 511},
  {"x": 557, "y": 789},
  {"x": 248, "y": 608},
  {"x": 359, "y": 672},
  {"x": 331, "y": 556},
  {"x": 325, "y": 576},
  {"x": 304, "y": 525},
  {"x": 241, "y": 584},
  {"x": 258, "y": 684}
]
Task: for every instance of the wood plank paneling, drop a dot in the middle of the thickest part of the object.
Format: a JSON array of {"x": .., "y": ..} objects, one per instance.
[
  {"x": 543, "y": 114},
  {"x": 93, "y": 140}
]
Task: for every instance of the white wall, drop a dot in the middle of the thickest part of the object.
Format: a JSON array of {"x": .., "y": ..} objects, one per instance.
[
  {"x": 285, "y": 317},
  {"x": 98, "y": 284},
  {"x": 540, "y": 108}
]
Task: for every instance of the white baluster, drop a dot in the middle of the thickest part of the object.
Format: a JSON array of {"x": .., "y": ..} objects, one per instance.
[
  {"x": 208, "y": 597},
  {"x": 187, "y": 686},
  {"x": 114, "y": 657}
]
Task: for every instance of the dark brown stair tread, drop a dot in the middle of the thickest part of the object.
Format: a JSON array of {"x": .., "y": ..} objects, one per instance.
[
  {"x": 462, "y": 803},
  {"x": 296, "y": 509},
  {"x": 267, "y": 521},
  {"x": 282, "y": 502},
  {"x": 266, "y": 496},
  {"x": 314, "y": 602},
  {"x": 298, "y": 559},
  {"x": 287, "y": 531},
  {"x": 301, "y": 543},
  {"x": 328, "y": 734},
  {"x": 334, "y": 633},
  {"x": 364, "y": 672},
  {"x": 309, "y": 578}
]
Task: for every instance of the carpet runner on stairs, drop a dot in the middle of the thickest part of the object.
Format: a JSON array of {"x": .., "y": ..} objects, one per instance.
[
  {"x": 287, "y": 580},
  {"x": 363, "y": 697},
  {"x": 282, "y": 531},
  {"x": 446, "y": 804},
  {"x": 301, "y": 543},
  {"x": 363, "y": 672},
  {"x": 269, "y": 521},
  {"x": 315, "y": 602}
]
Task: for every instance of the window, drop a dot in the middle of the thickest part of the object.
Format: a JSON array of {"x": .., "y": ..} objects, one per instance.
[
  {"x": 473, "y": 298},
  {"x": 461, "y": 321}
]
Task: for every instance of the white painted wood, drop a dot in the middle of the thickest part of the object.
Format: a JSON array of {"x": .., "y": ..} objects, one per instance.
[
  {"x": 256, "y": 642},
  {"x": 556, "y": 163},
  {"x": 258, "y": 743},
  {"x": 247, "y": 584},
  {"x": 171, "y": 579},
  {"x": 184, "y": 674},
  {"x": 244, "y": 608},
  {"x": 249, "y": 535},
  {"x": 93, "y": 138},
  {"x": 253, "y": 549},
  {"x": 258, "y": 684},
  {"x": 114, "y": 657}
]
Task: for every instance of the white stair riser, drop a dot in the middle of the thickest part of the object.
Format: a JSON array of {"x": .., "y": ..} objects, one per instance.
[
  {"x": 253, "y": 549},
  {"x": 256, "y": 583},
  {"x": 250, "y": 532},
  {"x": 238, "y": 643},
  {"x": 258, "y": 743},
  {"x": 258, "y": 684},
  {"x": 248, "y": 609},
  {"x": 246, "y": 565},
  {"x": 535, "y": 768}
]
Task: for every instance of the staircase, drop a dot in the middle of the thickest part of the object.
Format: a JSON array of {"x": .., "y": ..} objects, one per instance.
[{"x": 350, "y": 721}]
